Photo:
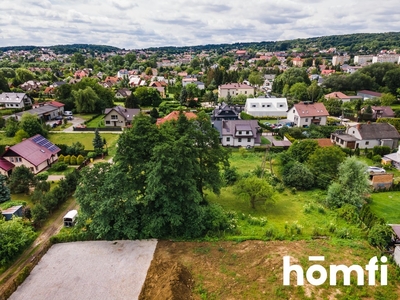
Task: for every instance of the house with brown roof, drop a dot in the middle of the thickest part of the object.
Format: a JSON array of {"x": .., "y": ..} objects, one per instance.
[
  {"x": 239, "y": 133},
  {"x": 381, "y": 112},
  {"x": 36, "y": 153},
  {"x": 367, "y": 136},
  {"x": 366, "y": 94},
  {"x": 119, "y": 116},
  {"x": 235, "y": 89},
  {"x": 123, "y": 93},
  {"x": 174, "y": 115},
  {"x": 341, "y": 96},
  {"x": 304, "y": 114}
]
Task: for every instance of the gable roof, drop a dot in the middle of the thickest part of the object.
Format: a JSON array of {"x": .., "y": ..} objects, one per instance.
[
  {"x": 370, "y": 93},
  {"x": 274, "y": 104},
  {"x": 385, "y": 111},
  {"x": 127, "y": 113},
  {"x": 235, "y": 86},
  {"x": 36, "y": 149},
  {"x": 316, "y": 109},
  {"x": 12, "y": 97},
  {"x": 324, "y": 142},
  {"x": 230, "y": 127},
  {"x": 55, "y": 103},
  {"x": 6, "y": 165},
  {"x": 378, "y": 131},
  {"x": 174, "y": 116}
]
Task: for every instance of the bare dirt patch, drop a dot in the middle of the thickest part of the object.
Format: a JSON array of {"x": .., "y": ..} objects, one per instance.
[{"x": 254, "y": 270}]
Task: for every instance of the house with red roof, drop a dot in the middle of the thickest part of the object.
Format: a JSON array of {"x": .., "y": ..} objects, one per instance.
[
  {"x": 341, "y": 96},
  {"x": 5, "y": 167},
  {"x": 304, "y": 114},
  {"x": 36, "y": 153},
  {"x": 174, "y": 116}
]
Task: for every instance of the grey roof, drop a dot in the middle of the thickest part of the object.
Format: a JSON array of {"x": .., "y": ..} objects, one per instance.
[
  {"x": 229, "y": 128},
  {"x": 11, "y": 97},
  {"x": 127, "y": 113},
  {"x": 378, "y": 131},
  {"x": 346, "y": 137},
  {"x": 41, "y": 110}
]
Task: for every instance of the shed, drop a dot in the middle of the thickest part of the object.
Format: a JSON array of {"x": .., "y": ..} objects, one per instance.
[
  {"x": 382, "y": 181},
  {"x": 70, "y": 218},
  {"x": 12, "y": 211}
]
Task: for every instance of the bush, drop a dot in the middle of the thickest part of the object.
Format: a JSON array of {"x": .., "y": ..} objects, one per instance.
[
  {"x": 67, "y": 159},
  {"x": 231, "y": 175},
  {"x": 349, "y": 213},
  {"x": 79, "y": 159},
  {"x": 245, "y": 116},
  {"x": 73, "y": 160},
  {"x": 381, "y": 150},
  {"x": 61, "y": 158},
  {"x": 59, "y": 166},
  {"x": 380, "y": 235},
  {"x": 42, "y": 176},
  {"x": 297, "y": 175},
  {"x": 377, "y": 158}
]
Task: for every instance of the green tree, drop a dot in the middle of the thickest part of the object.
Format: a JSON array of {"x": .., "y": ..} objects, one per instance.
[
  {"x": 352, "y": 186},
  {"x": 97, "y": 142},
  {"x": 130, "y": 58},
  {"x": 299, "y": 91},
  {"x": 148, "y": 96},
  {"x": 333, "y": 106},
  {"x": 297, "y": 175},
  {"x": 78, "y": 59},
  {"x": 85, "y": 100},
  {"x": 21, "y": 180},
  {"x": 225, "y": 62},
  {"x": 31, "y": 125},
  {"x": 183, "y": 96},
  {"x": 15, "y": 237},
  {"x": 324, "y": 163},
  {"x": 301, "y": 150},
  {"x": 132, "y": 101},
  {"x": 12, "y": 127},
  {"x": 254, "y": 189},
  {"x": 3, "y": 84},
  {"x": 255, "y": 78},
  {"x": 39, "y": 214},
  {"x": 20, "y": 135},
  {"x": 314, "y": 91},
  {"x": 392, "y": 80},
  {"x": 388, "y": 99},
  {"x": 4, "y": 190},
  {"x": 23, "y": 75}
]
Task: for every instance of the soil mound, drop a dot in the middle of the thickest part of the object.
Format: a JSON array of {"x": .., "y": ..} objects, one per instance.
[{"x": 167, "y": 280}]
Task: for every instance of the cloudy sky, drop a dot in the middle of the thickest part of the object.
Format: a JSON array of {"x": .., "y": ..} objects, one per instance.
[{"x": 140, "y": 24}]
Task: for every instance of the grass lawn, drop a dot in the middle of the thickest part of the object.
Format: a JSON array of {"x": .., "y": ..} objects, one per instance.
[
  {"x": 265, "y": 141},
  {"x": 65, "y": 172},
  {"x": 4, "y": 140},
  {"x": 86, "y": 117},
  {"x": 246, "y": 163},
  {"x": 97, "y": 122},
  {"x": 387, "y": 206},
  {"x": 85, "y": 138}
]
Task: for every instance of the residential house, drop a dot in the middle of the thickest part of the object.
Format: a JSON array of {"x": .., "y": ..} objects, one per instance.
[
  {"x": 33, "y": 85},
  {"x": 239, "y": 133},
  {"x": 393, "y": 159},
  {"x": 365, "y": 94},
  {"x": 160, "y": 86},
  {"x": 266, "y": 107},
  {"x": 381, "y": 112},
  {"x": 304, "y": 114},
  {"x": 15, "y": 100},
  {"x": 36, "y": 153},
  {"x": 340, "y": 60},
  {"x": 119, "y": 116},
  {"x": 341, "y": 96},
  {"x": 367, "y": 136},
  {"x": 46, "y": 111},
  {"x": 225, "y": 112},
  {"x": 235, "y": 89},
  {"x": 123, "y": 93},
  {"x": 297, "y": 62},
  {"x": 174, "y": 115}
]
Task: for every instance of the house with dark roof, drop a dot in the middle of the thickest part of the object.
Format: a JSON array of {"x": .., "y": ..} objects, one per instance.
[
  {"x": 123, "y": 93},
  {"x": 225, "y": 112},
  {"x": 45, "y": 111},
  {"x": 15, "y": 100},
  {"x": 5, "y": 167},
  {"x": 367, "y": 136},
  {"x": 119, "y": 116},
  {"x": 304, "y": 114},
  {"x": 36, "y": 153},
  {"x": 381, "y": 112},
  {"x": 365, "y": 94},
  {"x": 393, "y": 159},
  {"x": 239, "y": 133}
]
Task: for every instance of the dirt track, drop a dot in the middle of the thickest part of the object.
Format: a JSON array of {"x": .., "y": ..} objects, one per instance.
[{"x": 41, "y": 242}]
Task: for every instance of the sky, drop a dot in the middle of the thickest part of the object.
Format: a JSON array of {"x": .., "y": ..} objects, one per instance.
[{"x": 154, "y": 23}]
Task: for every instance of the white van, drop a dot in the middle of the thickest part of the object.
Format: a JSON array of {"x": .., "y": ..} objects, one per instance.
[{"x": 68, "y": 113}]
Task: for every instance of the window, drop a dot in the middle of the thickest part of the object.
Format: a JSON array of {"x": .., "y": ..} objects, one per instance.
[
  {"x": 240, "y": 132},
  {"x": 114, "y": 117},
  {"x": 281, "y": 105},
  {"x": 247, "y": 132},
  {"x": 263, "y": 105},
  {"x": 239, "y": 140},
  {"x": 306, "y": 119},
  {"x": 245, "y": 92},
  {"x": 12, "y": 159},
  {"x": 228, "y": 139},
  {"x": 249, "y": 140},
  {"x": 293, "y": 111},
  {"x": 268, "y": 105},
  {"x": 366, "y": 143},
  {"x": 107, "y": 122},
  {"x": 18, "y": 159},
  {"x": 253, "y": 105}
]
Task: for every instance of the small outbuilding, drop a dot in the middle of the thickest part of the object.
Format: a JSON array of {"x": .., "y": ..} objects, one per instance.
[
  {"x": 12, "y": 211},
  {"x": 70, "y": 218}
]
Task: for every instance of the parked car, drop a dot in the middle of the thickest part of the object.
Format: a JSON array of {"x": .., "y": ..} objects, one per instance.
[
  {"x": 58, "y": 118},
  {"x": 70, "y": 118},
  {"x": 68, "y": 113},
  {"x": 375, "y": 170}
]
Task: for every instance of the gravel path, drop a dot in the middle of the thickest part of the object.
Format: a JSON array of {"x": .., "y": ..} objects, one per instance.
[{"x": 89, "y": 270}]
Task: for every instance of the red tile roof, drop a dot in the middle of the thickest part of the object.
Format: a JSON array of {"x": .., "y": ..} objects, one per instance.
[
  {"x": 235, "y": 86},
  {"x": 311, "y": 110},
  {"x": 56, "y": 104},
  {"x": 174, "y": 116},
  {"x": 6, "y": 165},
  {"x": 324, "y": 142}
]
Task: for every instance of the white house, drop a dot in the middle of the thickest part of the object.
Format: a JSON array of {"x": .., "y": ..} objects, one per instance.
[
  {"x": 266, "y": 107},
  {"x": 304, "y": 114},
  {"x": 235, "y": 89},
  {"x": 239, "y": 133},
  {"x": 367, "y": 136},
  {"x": 15, "y": 100}
]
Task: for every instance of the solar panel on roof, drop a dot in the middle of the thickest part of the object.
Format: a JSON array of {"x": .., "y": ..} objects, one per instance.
[{"x": 43, "y": 142}]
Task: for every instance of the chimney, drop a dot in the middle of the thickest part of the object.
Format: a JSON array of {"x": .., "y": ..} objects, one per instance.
[
  {"x": 358, "y": 126},
  {"x": 369, "y": 122}
]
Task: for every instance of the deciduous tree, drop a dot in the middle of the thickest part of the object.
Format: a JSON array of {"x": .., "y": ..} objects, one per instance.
[{"x": 254, "y": 189}]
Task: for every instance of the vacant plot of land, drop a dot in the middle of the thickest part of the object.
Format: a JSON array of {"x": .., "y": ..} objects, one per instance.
[
  {"x": 90, "y": 270},
  {"x": 85, "y": 138},
  {"x": 386, "y": 205}
]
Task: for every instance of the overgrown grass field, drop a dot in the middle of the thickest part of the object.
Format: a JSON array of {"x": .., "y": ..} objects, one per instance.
[
  {"x": 387, "y": 206},
  {"x": 85, "y": 138}
]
